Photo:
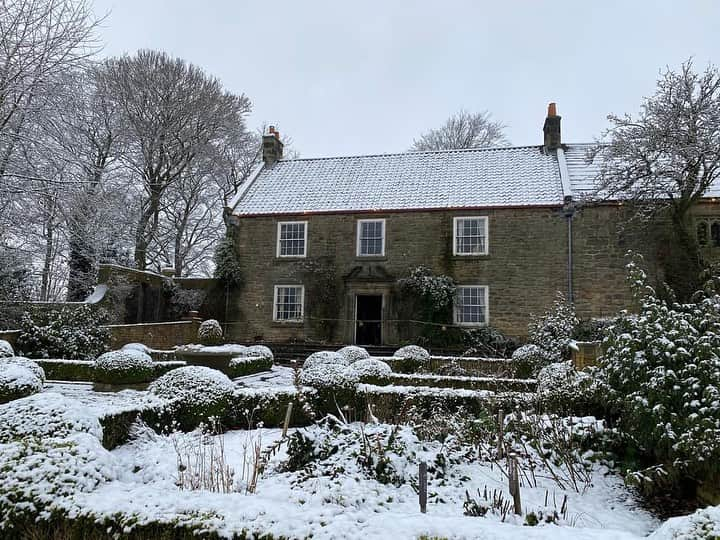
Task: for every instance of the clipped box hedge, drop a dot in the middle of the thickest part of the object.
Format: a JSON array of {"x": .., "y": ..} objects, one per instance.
[
  {"x": 241, "y": 366},
  {"x": 442, "y": 381},
  {"x": 475, "y": 366},
  {"x": 83, "y": 370}
]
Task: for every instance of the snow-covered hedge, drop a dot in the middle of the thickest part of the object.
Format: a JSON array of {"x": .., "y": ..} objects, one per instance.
[
  {"x": 563, "y": 390},
  {"x": 353, "y": 353},
  {"x": 17, "y": 381},
  {"x": 702, "y": 525},
  {"x": 260, "y": 351},
  {"x": 6, "y": 349},
  {"x": 371, "y": 368},
  {"x": 130, "y": 366},
  {"x": 137, "y": 347},
  {"x": 323, "y": 358},
  {"x": 210, "y": 332},
  {"x": 528, "y": 360},
  {"x": 330, "y": 377},
  {"x": 46, "y": 415},
  {"x": 239, "y": 366},
  {"x": 198, "y": 391},
  {"x": 30, "y": 364},
  {"x": 412, "y": 358}
]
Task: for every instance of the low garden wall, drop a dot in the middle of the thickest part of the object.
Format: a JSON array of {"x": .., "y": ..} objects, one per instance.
[
  {"x": 10, "y": 336},
  {"x": 154, "y": 335}
]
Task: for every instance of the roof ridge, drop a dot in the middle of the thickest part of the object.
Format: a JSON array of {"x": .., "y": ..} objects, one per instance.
[{"x": 418, "y": 152}]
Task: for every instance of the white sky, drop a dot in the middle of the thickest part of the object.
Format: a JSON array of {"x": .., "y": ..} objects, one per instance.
[{"x": 368, "y": 76}]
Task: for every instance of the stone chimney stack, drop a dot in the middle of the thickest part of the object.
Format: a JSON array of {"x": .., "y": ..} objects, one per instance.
[
  {"x": 551, "y": 129},
  {"x": 272, "y": 148}
]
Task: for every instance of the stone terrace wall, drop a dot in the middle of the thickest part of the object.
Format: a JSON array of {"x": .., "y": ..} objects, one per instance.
[{"x": 155, "y": 335}]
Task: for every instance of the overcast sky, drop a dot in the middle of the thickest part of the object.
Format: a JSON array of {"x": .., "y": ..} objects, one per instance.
[{"x": 344, "y": 78}]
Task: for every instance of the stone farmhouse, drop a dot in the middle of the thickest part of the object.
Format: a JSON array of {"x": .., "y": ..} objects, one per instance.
[{"x": 324, "y": 241}]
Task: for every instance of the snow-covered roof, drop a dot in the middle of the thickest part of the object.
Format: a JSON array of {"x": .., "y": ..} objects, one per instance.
[
  {"x": 582, "y": 169},
  {"x": 475, "y": 178}
]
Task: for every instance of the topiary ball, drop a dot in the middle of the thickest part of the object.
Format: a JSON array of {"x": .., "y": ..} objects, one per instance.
[
  {"x": 17, "y": 381},
  {"x": 528, "y": 360},
  {"x": 210, "y": 332},
  {"x": 124, "y": 367},
  {"x": 372, "y": 368},
  {"x": 6, "y": 349},
  {"x": 353, "y": 353},
  {"x": 323, "y": 358},
  {"x": 199, "y": 392},
  {"x": 137, "y": 347},
  {"x": 30, "y": 364}
]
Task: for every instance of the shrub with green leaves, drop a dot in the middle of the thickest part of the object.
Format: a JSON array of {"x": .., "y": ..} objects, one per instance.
[
  {"x": 6, "y": 349},
  {"x": 17, "y": 381},
  {"x": 528, "y": 360},
  {"x": 553, "y": 331},
  {"x": 71, "y": 332},
  {"x": 129, "y": 366},
  {"x": 663, "y": 370}
]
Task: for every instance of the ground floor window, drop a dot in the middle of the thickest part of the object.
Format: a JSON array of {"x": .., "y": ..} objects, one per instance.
[
  {"x": 471, "y": 305},
  {"x": 288, "y": 304}
]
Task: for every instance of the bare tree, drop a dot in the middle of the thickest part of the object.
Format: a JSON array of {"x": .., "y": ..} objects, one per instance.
[
  {"x": 665, "y": 159},
  {"x": 463, "y": 130},
  {"x": 174, "y": 111}
]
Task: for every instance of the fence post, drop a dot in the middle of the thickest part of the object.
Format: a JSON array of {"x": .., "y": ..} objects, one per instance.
[
  {"x": 422, "y": 486},
  {"x": 514, "y": 482},
  {"x": 501, "y": 436},
  {"x": 286, "y": 424}
]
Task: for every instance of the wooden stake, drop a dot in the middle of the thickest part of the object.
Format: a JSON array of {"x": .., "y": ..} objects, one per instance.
[
  {"x": 288, "y": 414},
  {"x": 422, "y": 486},
  {"x": 501, "y": 436},
  {"x": 514, "y": 482}
]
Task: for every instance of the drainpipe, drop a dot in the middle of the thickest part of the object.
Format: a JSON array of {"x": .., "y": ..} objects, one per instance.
[{"x": 569, "y": 213}]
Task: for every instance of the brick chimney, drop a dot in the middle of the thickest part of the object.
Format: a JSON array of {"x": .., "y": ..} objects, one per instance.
[
  {"x": 551, "y": 129},
  {"x": 272, "y": 147}
]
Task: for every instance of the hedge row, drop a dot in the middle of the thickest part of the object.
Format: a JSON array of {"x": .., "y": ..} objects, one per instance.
[
  {"x": 240, "y": 367},
  {"x": 469, "y": 383},
  {"x": 89, "y": 527},
  {"x": 477, "y": 367},
  {"x": 82, "y": 370}
]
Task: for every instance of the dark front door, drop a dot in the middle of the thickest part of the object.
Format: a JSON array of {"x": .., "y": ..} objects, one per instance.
[{"x": 368, "y": 315}]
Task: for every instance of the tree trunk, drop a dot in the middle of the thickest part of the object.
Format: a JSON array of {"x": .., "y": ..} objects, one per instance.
[
  {"x": 47, "y": 262},
  {"x": 684, "y": 262}
]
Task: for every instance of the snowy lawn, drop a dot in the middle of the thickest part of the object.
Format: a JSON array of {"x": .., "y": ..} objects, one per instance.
[{"x": 344, "y": 502}]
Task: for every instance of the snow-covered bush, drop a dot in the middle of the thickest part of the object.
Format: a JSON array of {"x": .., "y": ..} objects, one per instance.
[
  {"x": 528, "y": 360},
  {"x": 702, "y": 525},
  {"x": 353, "y": 353},
  {"x": 563, "y": 390},
  {"x": 411, "y": 359},
  {"x": 330, "y": 377},
  {"x": 553, "y": 331},
  {"x": 6, "y": 349},
  {"x": 198, "y": 391},
  {"x": 260, "y": 351},
  {"x": 210, "y": 332},
  {"x": 46, "y": 415},
  {"x": 239, "y": 366},
  {"x": 74, "y": 333},
  {"x": 325, "y": 357},
  {"x": 17, "y": 381},
  {"x": 663, "y": 370},
  {"x": 26, "y": 362},
  {"x": 372, "y": 368},
  {"x": 130, "y": 366}
]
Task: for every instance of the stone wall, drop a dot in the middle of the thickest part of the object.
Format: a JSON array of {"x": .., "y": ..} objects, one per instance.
[{"x": 164, "y": 335}]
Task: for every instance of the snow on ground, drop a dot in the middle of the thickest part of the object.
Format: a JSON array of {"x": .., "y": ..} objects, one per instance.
[
  {"x": 277, "y": 376},
  {"x": 101, "y": 403},
  {"x": 348, "y": 506}
]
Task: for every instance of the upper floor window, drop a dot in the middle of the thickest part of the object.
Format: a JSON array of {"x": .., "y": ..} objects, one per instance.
[
  {"x": 470, "y": 236},
  {"x": 707, "y": 231},
  {"x": 292, "y": 239},
  {"x": 371, "y": 237},
  {"x": 288, "y": 304},
  {"x": 471, "y": 305}
]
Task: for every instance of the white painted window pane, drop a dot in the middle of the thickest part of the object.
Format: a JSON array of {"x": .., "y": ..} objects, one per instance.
[
  {"x": 470, "y": 305},
  {"x": 470, "y": 236},
  {"x": 371, "y": 237},
  {"x": 288, "y": 303},
  {"x": 292, "y": 239}
]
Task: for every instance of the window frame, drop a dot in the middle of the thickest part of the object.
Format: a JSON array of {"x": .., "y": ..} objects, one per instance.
[
  {"x": 358, "y": 233},
  {"x": 275, "y": 303},
  {"x": 486, "y": 222},
  {"x": 486, "y": 299},
  {"x": 278, "y": 252}
]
